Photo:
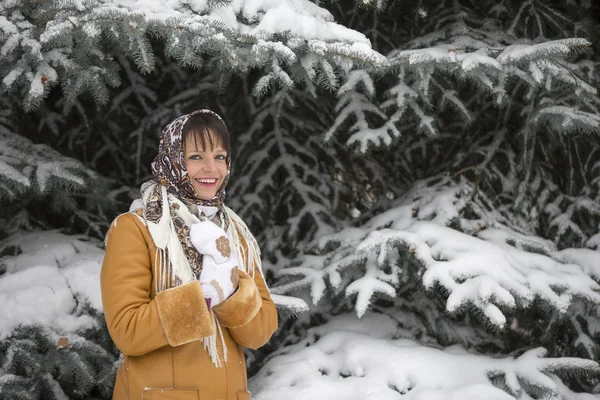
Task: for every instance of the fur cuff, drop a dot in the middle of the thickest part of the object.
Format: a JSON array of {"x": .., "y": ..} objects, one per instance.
[
  {"x": 183, "y": 314},
  {"x": 242, "y": 306}
]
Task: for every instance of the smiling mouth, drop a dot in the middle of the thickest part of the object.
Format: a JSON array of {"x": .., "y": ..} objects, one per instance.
[{"x": 207, "y": 182}]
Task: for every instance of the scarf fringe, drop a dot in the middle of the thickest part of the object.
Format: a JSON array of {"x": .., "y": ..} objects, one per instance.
[
  {"x": 163, "y": 273},
  {"x": 251, "y": 257},
  {"x": 210, "y": 343}
]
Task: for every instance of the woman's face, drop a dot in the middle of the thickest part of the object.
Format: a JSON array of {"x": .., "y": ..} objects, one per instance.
[{"x": 207, "y": 168}]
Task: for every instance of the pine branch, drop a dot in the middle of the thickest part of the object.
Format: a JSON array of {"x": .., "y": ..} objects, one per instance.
[{"x": 68, "y": 38}]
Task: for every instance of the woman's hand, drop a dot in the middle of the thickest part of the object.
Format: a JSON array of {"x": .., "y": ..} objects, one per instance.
[{"x": 220, "y": 267}]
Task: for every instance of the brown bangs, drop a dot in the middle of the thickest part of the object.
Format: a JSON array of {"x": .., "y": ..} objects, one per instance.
[{"x": 200, "y": 127}]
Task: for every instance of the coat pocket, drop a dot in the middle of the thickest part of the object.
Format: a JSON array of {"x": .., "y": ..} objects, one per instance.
[
  {"x": 171, "y": 394},
  {"x": 243, "y": 395}
]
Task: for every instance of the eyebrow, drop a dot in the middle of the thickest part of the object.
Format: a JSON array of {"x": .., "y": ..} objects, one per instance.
[{"x": 218, "y": 150}]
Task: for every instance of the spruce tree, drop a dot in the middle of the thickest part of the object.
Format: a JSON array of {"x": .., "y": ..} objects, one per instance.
[
  {"x": 487, "y": 116},
  {"x": 471, "y": 144}
]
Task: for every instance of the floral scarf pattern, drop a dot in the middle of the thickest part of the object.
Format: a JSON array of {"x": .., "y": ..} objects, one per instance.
[{"x": 168, "y": 169}]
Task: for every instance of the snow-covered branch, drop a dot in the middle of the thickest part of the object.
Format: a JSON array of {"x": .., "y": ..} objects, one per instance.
[
  {"x": 486, "y": 265},
  {"x": 237, "y": 36}
]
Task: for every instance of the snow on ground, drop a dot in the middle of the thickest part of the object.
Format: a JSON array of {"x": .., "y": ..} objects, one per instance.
[
  {"x": 49, "y": 282},
  {"x": 356, "y": 359}
]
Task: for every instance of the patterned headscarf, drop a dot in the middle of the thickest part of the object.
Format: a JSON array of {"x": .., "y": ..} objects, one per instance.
[{"x": 168, "y": 167}]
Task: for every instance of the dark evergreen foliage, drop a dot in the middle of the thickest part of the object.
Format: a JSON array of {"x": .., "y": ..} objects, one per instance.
[
  {"x": 517, "y": 145},
  {"x": 35, "y": 366}
]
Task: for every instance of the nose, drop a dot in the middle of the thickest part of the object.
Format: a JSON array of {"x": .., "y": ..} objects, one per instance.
[{"x": 208, "y": 165}]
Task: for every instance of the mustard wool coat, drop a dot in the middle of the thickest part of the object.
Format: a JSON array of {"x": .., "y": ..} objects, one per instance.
[{"x": 160, "y": 334}]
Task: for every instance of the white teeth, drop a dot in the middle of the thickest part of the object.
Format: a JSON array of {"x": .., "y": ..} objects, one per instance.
[{"x": 206, "y": 180}]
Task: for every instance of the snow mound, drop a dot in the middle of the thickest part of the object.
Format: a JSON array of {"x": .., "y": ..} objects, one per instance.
[
  {"x": 47, "y": 279},
  {"x": 350, "y": 364}
]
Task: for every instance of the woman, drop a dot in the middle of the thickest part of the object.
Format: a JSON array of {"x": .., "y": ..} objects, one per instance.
[{"x": 181, "y": 281}]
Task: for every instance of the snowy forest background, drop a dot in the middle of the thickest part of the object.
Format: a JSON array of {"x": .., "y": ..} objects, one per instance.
[{"x": 423, "y": 178}]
